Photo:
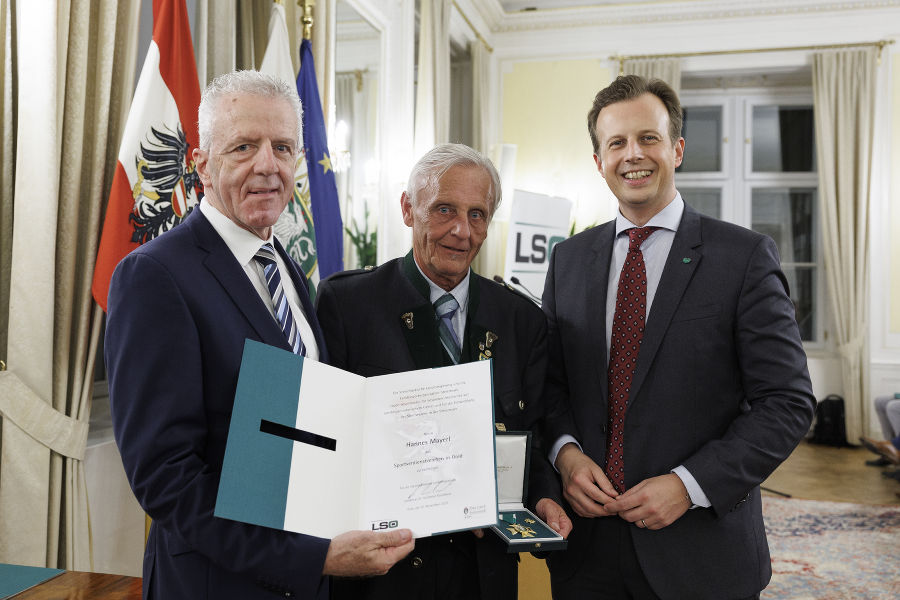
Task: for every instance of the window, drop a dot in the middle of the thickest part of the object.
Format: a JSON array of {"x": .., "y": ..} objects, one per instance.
[{"x": 750, "y": 159}]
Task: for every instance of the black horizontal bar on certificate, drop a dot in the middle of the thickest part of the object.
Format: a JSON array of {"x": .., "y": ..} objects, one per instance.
[{"x": 298, "y": 435}]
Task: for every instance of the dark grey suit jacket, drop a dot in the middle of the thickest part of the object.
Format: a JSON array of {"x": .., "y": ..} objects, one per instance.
[
  {"x": 363, "y": 315},
  {"x": 721, "y": 386}
]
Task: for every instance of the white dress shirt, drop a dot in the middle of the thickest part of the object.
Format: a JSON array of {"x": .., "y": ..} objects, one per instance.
[
  {"x": 243, "y": 246},
  {"x": 655, "y": 250},
  {"x": 460, "y": 293}
]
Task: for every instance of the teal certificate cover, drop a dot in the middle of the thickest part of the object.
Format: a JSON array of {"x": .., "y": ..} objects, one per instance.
[
  {"x": 317, "y": 450},
  {"x": 15, "y": 578}
]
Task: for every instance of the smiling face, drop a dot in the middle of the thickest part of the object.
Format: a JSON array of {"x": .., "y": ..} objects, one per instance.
[
  {"x": 248, "y": 170},
  {"x": 636, "y": 156},
  {"x": 449, "y": 228}
]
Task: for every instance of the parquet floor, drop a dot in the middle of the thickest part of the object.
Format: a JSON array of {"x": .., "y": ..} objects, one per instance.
[{"x": 811, "y": 472}]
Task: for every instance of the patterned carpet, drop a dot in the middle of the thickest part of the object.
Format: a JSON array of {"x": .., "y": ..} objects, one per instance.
[{"x": 832, "y": 550}]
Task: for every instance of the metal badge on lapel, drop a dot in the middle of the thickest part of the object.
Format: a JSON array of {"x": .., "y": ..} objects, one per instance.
[
  {"x": 485, "y": 346},
  {"x": 407, "y": 319}
]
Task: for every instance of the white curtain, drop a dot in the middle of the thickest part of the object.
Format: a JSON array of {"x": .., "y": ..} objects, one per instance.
[
  {"x": 74, "y": 65},
  {"x": 432, "y": 122},
  {"x": 844, "y": 84},
  {"x": 345, "y": 124},
  {"x": 356, "y": 95},
  {"x": 667, "y": 69},
  {"x": 481, "y": 133}
]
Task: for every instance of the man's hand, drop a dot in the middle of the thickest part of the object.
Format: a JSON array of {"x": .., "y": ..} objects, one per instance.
[
  {"x": 553, "y": 515},
  {"x": 585, "y": 485},
  {"x": 653, "y": 503},
  {"x": 364, "y": 553}
]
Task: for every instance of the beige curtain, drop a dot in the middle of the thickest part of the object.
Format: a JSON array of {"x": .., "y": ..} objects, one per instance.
[
  {"x": 844, "y": 97},
  {"x": 7, "y": 160},
  {"x": 76, "y": 66},
  {"x": 215, "y": 36},
  {"x": 432, "y": 121},
  {"x": 235, "y": 35},
  {"x": 667, "y": 69}
]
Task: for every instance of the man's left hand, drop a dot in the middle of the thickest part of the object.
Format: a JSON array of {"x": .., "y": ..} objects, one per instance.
[
  {"x": 553, "y": 515},
  {"x": 653, "y": 503}
]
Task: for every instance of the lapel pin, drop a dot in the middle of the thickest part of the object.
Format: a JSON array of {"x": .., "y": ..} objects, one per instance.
[
  {"x": 490, "y": 338},
  {"x": 408, "y": 319},
  {"x": 685, "y": 260}
]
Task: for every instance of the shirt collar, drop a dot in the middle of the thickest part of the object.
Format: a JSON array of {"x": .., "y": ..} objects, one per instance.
[
  {"x": 667, "y": 218},
  {"x": 460, "y": 292},
  {"x": 241, "y": 242}
]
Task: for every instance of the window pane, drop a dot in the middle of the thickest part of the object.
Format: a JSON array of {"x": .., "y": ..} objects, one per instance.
[
  {"x": 783, "y": 139},
  {"x": 707, "y": 201},
  {"x": 802, "y": 284},
  {"x": 786, "y": 215},
  {"x": 702, "y": 132}
]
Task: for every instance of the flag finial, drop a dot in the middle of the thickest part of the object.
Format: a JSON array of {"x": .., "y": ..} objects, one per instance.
[{"x": 307, "y": 18}]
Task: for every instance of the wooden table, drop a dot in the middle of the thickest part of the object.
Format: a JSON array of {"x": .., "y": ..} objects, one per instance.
[{"x": 77, "y": 585}]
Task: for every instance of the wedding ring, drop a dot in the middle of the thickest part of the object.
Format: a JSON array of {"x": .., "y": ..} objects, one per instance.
[{"x": 644, "y": 524}]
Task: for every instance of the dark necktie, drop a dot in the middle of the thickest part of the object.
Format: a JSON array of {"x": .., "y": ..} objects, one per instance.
[
  {"x": 625, "y": 342},
  {"x": 445, "y": 307},
  {"x": 265, "y": 256}
]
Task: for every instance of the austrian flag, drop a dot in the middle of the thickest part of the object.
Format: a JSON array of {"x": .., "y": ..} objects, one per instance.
[{"x": 155, "y": 184}]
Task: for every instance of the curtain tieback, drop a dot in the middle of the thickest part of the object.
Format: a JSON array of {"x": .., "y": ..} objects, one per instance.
[
  {"x": 852, "y": 348},
  {"x": 21, "y": 405}
]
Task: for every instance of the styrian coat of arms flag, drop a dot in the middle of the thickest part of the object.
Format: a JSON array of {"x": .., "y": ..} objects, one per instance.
[
  {"x": 326, "y": 208},
  {"x": 155, "y": 185},
  {"x": 294, "y": 228}
]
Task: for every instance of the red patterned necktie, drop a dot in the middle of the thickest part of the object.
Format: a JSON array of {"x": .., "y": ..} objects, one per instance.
[{"x": 627, "y": 331}]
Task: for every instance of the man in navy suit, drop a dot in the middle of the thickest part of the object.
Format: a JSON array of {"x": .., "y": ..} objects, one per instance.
[
  {"x": 180, "y": 308},
  {"x": 664, "y": 446}
]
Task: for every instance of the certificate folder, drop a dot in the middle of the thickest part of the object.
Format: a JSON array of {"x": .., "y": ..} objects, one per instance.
[
  {"x": 317, "y": 450},
  {"x": 520, "y": 528}
]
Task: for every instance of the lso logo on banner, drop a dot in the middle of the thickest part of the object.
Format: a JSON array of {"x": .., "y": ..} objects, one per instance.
[{"x": 536, "y": 224}]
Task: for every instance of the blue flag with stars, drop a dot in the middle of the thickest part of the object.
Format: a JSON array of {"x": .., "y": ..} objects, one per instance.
[{"x": 326, "y": 209}]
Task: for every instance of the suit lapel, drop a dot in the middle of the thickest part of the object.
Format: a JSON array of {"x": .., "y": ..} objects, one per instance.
[
  {"x": 682, "y": 262},
  {"x": 476, "y": 333},
  {"x": 595, "y": 298},
  {"x": 417, "y": 319},
  {"x": 231, "y": 276},
  {"x": 302, "y": 286}
]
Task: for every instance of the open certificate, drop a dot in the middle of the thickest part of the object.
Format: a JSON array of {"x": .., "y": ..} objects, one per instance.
[{"x": 321, "y": 451}]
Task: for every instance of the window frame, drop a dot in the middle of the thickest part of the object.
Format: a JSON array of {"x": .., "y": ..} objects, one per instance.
[{"x": 737, "y": 180}]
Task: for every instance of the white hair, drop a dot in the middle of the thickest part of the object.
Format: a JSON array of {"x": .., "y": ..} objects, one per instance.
[
  {"x": 243, "y": 82},
  {"x": 427, "y": 172}
]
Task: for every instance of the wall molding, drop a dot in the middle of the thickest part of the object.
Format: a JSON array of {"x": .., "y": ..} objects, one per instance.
[{"x": 655, "y": 12}]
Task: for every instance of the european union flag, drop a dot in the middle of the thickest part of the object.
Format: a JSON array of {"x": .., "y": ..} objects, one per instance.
[{"x": 326, "y": 208}]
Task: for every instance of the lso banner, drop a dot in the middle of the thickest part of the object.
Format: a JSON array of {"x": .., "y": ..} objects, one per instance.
[{"x": 536, "y": 223}]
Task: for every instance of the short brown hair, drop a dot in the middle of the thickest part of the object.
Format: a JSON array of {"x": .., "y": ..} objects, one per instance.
[{"x": 628, "y": 87}]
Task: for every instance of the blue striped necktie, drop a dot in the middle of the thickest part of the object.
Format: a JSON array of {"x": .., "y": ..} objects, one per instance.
[
  {"x": 445, "y": 307},
  {"x": 266, "y": 257}
]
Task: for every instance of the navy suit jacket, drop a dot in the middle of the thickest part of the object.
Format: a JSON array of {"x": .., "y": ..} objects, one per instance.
[
  {"x": 721, "y": 386},
  {"x": 180, "y": 308}
]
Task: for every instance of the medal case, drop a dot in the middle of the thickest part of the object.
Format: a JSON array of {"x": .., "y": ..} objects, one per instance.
[{"x": 520, "y": 528}]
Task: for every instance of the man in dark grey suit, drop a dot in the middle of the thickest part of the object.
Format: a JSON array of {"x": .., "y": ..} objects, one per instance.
[
  {"x": 664, "y": 444},
  {"x": 387, "y": 320}
]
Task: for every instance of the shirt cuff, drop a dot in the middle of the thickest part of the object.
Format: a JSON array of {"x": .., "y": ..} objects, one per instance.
[
  {"x": 560, "y": 442},
  {"x": 698, "y": 498}
]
